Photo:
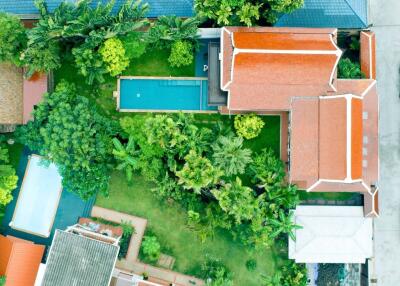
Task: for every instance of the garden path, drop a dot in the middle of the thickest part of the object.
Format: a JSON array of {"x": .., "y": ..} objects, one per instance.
[{"x": 131, "y": 262}]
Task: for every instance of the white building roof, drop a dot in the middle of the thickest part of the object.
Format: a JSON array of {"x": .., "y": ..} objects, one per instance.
[{"x": 331, "y": 234}]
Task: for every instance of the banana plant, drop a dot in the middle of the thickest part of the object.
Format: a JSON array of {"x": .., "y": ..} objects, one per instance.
[{"x": 126, "y": 156}]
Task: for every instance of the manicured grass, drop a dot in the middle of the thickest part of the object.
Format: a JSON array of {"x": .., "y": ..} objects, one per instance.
[
  {"x": 325, "y": 196},
  {"x": 168, "y": 222}
]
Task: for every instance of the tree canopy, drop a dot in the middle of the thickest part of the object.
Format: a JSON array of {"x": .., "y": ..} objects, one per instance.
[
  {"x": 68, "y": 131},
  {"x": 12, "y": 38},
  {"x": 8, "y": 177}
]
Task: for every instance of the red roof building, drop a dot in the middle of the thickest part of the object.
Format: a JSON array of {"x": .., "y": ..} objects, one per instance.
[
  {"x": 19, "y": 261},
  {"x": 333, "y": 123}
]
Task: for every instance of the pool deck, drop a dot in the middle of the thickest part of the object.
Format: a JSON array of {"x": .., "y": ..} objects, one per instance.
[{"x": 70, "y": 209}]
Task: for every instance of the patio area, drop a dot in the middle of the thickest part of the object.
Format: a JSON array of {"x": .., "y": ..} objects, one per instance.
[
  {"x": 11, "y": 94},
  {"x": 69, "y": 210}
]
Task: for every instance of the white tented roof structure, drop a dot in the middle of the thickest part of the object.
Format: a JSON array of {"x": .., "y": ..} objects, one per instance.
[{"x": 331, "y": 234}]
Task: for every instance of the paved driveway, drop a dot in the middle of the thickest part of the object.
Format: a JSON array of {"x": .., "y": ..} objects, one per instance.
[{"x": 385, "y": 17}]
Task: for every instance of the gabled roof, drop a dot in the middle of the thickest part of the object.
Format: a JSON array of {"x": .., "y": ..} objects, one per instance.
[
  {"x": 331, "y": 234},
  {"x": 271, "y": 65},
  {"x": 19, "y": 260},
  {"x": 78, "y": 260},
  {"x": 345, "y": 14},
  {"x": 26, "y": 8}
]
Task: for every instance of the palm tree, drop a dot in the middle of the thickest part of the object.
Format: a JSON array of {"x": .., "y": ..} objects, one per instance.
[
  {"x": 127, "y": 156},
  {"x": 230, "y": 156},
  {"x": 284, "y": 224}
]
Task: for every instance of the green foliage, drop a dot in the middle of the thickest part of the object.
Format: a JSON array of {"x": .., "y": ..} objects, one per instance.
[
  {"x": 215, "y": 273},
  {"x": 82, "y": 27},
  {"x": 69, "y": 132},
  {"x": 8, "y": 177},
  {"x": 151, "y": 248},
  {"x": 230, "y": 156},
  {"x": 89, "y": 63},
  {"x": 355, "y": 44},
  {"x": 181, "y": 54},
  {"x": 244, "y": 12},
  {"x": 348, "y": 69},
  {"x": 198, "y": 173},
  {"x": 126, "y": 156},
  {"x": 2, "y": 280},
  {"x": 249, "y": 13},
  {"x": 127, "y": 231},
  {"x": 291, "y": 274},
  {"x": 251, "y": 265},
  {"x": 170, "y": 29},
  {"x": 113, "y": 54},
  {"x": 267, "y": 169},
  {"x": 135, "y": 44},
  {"x": 12, "y": 38},
  {"x": 236, "y": 200},
  {"x": 248, "y": 126},
  {"x": 284, "y": 225}
]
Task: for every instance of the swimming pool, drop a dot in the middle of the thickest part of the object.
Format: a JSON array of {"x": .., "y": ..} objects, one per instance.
[
  {"x": 163, "y": 94},
  {"x": 38, "y": 198}
]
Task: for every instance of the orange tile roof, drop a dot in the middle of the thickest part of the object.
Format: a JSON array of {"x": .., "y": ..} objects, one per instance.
[
  {"x": 263, "y": 68},
  {"x": 334, "y": 122},
  {"x": 34, "y": 88},
  {"x": 19, "y": 261}
]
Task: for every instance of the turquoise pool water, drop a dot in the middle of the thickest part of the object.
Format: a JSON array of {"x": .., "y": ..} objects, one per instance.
[{"x": 164, "y": 94}]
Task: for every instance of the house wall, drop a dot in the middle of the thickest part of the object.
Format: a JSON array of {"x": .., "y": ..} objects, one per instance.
[{"x": 367, "y": 54}]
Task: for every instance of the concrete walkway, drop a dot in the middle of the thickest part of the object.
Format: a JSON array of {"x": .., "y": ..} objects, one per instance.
[
  {"x": 131, "y": 263},
  {"x": 385, "y": 18}
]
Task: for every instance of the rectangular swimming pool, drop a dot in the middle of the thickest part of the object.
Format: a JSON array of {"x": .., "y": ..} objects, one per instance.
[
  {"x": 163, "y": 94},
  {"x": 38, "y": 198}
]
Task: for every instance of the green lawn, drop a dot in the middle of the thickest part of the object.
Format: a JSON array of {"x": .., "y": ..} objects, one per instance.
[{"x": 167, "y": 221}]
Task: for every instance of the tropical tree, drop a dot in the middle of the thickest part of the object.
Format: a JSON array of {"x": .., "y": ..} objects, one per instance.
[
  {"x": 8, "y": 177},
  {"x": 126, "y": 156},
  {"x": 283, "y": 225},
  {"x": 75, "y": 24},
  {"x": 349, "y": 69},
  {"x": 249, "y": 14},
  {"x": 267, "y": 169},
  {"x": 230, "y": 156},
  {"x": 197, "y": 173},
  {"x": 181, "y": 54},
  {"x": 113, "y": 54},
  {"x": 90, "y": 64},
  {"x": 169, "y": 29},
  {"x": 69, "y": 132},
  {"x": 215, "y": 273},
  {"x": 12, "y": 38},
  {"x": 236, "y": 200}
]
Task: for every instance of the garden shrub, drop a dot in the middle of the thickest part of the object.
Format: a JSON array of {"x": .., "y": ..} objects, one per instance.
[
  {"x": 2, "y": 280},
  {"x": 134, "y": 44},
  {"x": 267, "y": 168},
  {"x": 151, "y": 248},
  {"x": 248, "y": 126},
  {"x": 127, "y": 231},
  {"x": 113, "y": 54},
  {"x": 290, "y": 274},
  {"x": 215, "y": 273},
  {"x": 12, "y": 38},
  {"x": 8, "y": 177},
  {"x": 349, "y": 69},
  {"x": 251, "y": 265},
  {"x": 181, "y": 54}
]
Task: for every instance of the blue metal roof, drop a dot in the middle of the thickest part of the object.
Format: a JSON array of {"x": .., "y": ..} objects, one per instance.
[
  {"x": 344, "y": 14},
  {"x": 181, "y": 8}
]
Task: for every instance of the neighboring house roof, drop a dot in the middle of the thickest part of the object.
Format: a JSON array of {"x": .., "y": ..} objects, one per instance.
[
  {"x": 26, "y": 8},
  {"x": 279, "y": 62},
  {"x": 19, "y": 261},
  {"x": 11, "y": 94},
  {"x": 333, "y": 122},
  {"x": 78, "y": 260},
  {"x": 346, "y": 14},
  {"x": 331, "y": 234}
]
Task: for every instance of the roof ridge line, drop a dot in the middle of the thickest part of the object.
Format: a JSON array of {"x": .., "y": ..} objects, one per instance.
[{"x": 355, "y": 13}]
